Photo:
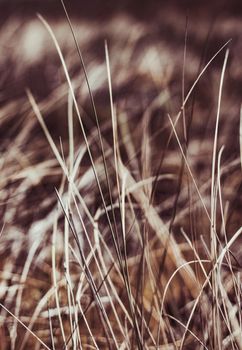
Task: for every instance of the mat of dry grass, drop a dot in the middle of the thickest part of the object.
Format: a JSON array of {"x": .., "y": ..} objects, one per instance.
[{"x": 120, "y": 198}]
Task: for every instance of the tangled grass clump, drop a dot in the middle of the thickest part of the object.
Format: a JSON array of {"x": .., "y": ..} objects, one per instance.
[{"x": 120, "y": 187}]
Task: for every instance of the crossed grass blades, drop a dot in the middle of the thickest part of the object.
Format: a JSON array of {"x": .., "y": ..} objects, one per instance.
[{"x": 131, "y": 245}]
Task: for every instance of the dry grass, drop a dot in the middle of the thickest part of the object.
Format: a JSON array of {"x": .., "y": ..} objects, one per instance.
[{"x": 120, "y": 186}]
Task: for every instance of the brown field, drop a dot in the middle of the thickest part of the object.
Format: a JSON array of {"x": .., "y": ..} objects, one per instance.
[{"x": 121, "y": 187}]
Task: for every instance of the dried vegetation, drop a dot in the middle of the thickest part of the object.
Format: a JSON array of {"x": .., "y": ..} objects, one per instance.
[{"x": 120, "y": 189}]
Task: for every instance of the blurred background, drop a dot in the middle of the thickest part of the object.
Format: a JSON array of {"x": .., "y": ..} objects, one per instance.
[{"x": 157, "y": 49}]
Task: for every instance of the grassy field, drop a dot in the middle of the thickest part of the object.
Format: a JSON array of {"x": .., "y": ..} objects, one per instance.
[{"x": 120, "y": 189}]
